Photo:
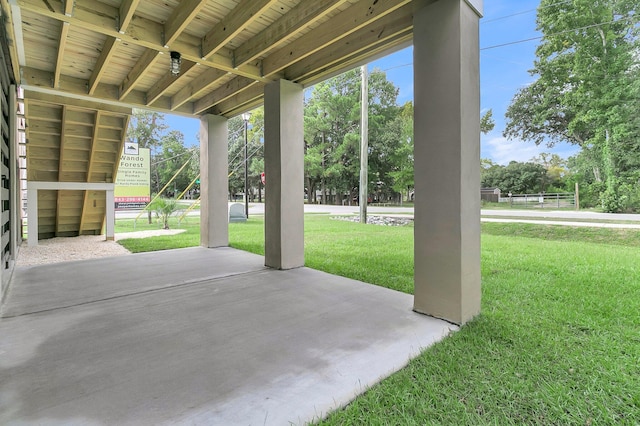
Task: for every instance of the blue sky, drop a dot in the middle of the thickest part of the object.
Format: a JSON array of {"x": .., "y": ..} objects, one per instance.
[{"x": 503, "y": 70}]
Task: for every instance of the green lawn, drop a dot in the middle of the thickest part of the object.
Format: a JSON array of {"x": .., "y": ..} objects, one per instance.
[{"x": 558, "y": 340}]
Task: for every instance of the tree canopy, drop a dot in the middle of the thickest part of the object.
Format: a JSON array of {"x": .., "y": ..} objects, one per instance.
[
  {"x": 586, "y": 90},
  {"x": 331, "y": 144}
]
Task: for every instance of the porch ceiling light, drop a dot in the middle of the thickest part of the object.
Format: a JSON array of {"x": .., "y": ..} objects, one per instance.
[{"x": 174, "y": 66}]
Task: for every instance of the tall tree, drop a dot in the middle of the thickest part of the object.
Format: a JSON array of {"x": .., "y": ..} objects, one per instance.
[
  {"x": 557, "y": 171},
  {"x": 587, "y": 72},
  {"x": 170, "y": 160},
  {"x": 332, "y": 137},
  {"x": 236, "y": 156},
  {"x": 516, "y": 177},
  {"x": 146, "y": 128},
  {"x": 400, "y": 130},
  {"x": 255, "y": 152},
  {"x": 486, "y": 122}
]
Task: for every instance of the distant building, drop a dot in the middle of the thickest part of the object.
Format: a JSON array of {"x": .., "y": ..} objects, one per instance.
[{"x": 490, "y": 194}]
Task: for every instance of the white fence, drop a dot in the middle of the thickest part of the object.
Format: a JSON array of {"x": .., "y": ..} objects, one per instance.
[{"x": 541, "y": 201}]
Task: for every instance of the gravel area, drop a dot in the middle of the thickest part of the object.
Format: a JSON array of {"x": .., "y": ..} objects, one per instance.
[
  {"x": 61, "y": 249},
  {"x": 378, "y": 220}
]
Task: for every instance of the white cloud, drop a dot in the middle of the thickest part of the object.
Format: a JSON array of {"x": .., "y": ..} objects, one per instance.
[{"x": 502, "y": 151}]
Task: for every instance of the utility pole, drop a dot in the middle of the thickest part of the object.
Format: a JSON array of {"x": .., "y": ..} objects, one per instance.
[
  {"x": 324, "y": 189},
  {"x": 364, "y": 146}
]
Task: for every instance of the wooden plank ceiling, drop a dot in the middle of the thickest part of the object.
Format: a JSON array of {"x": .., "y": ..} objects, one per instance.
[
  {"x": 83, "y": 64},
  {"x": 118, "y": 50}
]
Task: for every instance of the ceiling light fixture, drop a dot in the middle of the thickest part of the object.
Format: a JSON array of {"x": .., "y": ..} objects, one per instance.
[{"x": 174, "y": 66}]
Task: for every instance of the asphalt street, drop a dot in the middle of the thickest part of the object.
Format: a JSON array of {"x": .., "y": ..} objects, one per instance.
[{"x": 562, "y": 217}]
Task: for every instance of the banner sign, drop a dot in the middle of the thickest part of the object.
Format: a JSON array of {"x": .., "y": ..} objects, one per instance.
[{"x": 132, "y": 189}]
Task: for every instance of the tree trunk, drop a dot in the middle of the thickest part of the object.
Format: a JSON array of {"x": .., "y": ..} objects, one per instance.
[{"x": 308, "y": 185}]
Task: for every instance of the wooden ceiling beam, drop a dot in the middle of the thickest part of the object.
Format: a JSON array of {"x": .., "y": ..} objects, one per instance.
[
  {"x": 182, "y": 15},
  {"x": 100, "y": 67},
  {"x": 349, "y": 21},
  {"x": 141, "y": 32},
  {"x": 388, "y": 28},
  {"x": 72, "y": 91},
  {"x": 201, "y": 83},
  {"x": 288, "y": 25},
  {"x": 125, "y": 13},
  {"x": 68, "y": 7},
  {"x": 392, "y": 29},
  {"x": 92, "y": 156},
  {"x": 15, "y": 41},
  {"x": 243, "y": 15},
  {"x": 146, "y": 61},
  {"x": 123, "y": 138},
  {"x": 61, "y": 46},
  {"x": 253, "y": 94},
  {"x": 397, "y": 42},
  {"x": 168, "y": 81},
  {"x": 37, "y": 78},
  {"x": 92, "y": 147},
  {"x": 225, "y": 92}
]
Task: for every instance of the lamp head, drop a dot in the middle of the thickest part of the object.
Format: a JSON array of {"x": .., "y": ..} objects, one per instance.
[{"x": 174, "y": 66}]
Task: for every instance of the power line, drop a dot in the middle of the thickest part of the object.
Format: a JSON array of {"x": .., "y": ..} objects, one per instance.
[
  {"x": 175, "y": 156},
  {"x": 500, "y": 18},
  {"x": 398, "y": 66},
  {"x": 495, "y": 46},
  {"x": 555, "y": 34}
]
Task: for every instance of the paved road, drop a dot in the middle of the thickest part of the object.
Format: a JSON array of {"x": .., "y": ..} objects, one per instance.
[
  {"x": 562, "y": 214},
  {"x": 568, "y": 216}
]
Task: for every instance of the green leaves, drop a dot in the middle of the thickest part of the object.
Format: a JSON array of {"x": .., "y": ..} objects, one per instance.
[
  {"x": 587, "y": 69},
  {"x": 332, "y": 135},
  {"x": 164, "y": 208}
]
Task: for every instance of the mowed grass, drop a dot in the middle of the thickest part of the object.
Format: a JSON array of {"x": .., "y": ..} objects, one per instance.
[
  {"x": 557, "y": 342},
  {"x": 189, "y": 238}
]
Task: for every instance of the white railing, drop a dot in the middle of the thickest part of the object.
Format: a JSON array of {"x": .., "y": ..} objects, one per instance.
[{"x": 551, "y": 201}]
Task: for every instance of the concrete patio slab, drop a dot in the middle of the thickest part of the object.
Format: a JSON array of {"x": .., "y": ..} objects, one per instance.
[
  {"x": 254, "y": 346},
  {"x": 54, "y": 286}
]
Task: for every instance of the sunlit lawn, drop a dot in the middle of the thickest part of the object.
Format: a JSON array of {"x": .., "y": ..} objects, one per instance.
[{"x": 558, "y": 340}]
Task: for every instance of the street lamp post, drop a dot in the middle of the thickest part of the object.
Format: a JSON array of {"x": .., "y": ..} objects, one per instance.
[{"x": 245, "y": 117}]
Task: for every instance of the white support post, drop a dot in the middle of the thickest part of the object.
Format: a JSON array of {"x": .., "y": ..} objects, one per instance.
[
  {"x": 32, "y": 217},
  {"x": 110, "y": 219},
  {"x": 447, "y": 157},
  {"x": 284, "y": 175},
  {"x": 214, "y": 182}
]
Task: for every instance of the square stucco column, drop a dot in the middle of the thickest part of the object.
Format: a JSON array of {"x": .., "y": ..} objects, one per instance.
[
  {"x": 110, "y": 217},
  {"x": 214, "y": 182},
  {"x": 284, "y": 175},
  {"x": 32, "y": 217},
  {"x": 447, "y": 161}
]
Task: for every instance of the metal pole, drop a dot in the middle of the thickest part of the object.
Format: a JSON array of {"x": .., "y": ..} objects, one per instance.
[
  {"x": 246, "y": 169},
  {"x": 364, "y": 146}
]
